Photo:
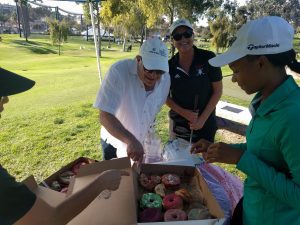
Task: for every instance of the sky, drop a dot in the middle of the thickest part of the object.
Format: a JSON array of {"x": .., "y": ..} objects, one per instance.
[{"x": 70, "y": 6}]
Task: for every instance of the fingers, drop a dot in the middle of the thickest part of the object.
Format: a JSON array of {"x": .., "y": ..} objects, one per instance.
[
  {"x": 200, "y": 146},
  {"x": 195, "y": 150}
]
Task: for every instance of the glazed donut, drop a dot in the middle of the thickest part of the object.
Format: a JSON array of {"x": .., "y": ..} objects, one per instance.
[
  {"x": 174, "y": 215},
  {"x": 160, "y": 190},
  {"x": 150, "y": 200},
  {"x": 150, "y": 215},
  {"x": 149, "y": 182},
  {"x": 184, "y": 194},
  {"x": 172, "y": 201},
  {"x": 65, "y": 177},
  {"x": 171, "y": 181},
  {"x": 199, "y": 214}
]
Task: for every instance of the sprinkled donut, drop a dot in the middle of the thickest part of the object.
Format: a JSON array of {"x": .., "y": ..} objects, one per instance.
[
  {"x": 172, "y": 201},
  {"x": 150, "y": 215},
  {"x": 149, "y": 182},
  {"x": 174, "y": 215},
  {"x": 150, "y": 200},
  {"x": 171, "y": 181}
]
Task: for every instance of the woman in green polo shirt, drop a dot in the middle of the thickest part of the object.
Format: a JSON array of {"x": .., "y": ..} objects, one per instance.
[
  {"x": 271, "y": 155},
  {"x": 18, "y": 203}
]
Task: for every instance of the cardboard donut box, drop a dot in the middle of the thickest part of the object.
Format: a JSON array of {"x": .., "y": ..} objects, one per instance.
[
  {"x": 69, "y": 167},
  {"x": 120, "y": 207}
]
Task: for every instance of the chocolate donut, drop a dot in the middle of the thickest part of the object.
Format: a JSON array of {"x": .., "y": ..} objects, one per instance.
[
  {"x": 149, "y": 182},
  {"x": 150, "y": 200},
  {"x": 174, "y": 215},
  {"x": 172, "y": 201},
  {"x": 171, "y": 181},
  {"x": 150, "y": 215}
]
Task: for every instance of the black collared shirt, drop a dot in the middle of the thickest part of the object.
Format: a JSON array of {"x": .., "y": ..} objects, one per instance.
[
  {"x": 185, "y": 86},
  {"x": 15, "y": 199}
]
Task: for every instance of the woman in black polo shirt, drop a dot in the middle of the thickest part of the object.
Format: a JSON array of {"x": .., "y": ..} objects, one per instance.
[
  {"x": 196, "y": 87},
  {"x": 18, "y": 203}
]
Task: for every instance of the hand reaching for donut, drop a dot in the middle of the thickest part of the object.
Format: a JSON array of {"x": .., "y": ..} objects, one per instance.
[
  {"x": 111, "y": 179},
  {"x": 135, "y": 150}
]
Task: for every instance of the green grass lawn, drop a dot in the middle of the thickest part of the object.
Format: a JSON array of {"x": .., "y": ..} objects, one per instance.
[{"x": 55, "y": 123}]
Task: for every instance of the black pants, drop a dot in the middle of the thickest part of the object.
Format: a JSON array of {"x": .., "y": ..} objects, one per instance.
[
  {"x": 237, "y": 216},
  {"x": 108, "y": 151}
]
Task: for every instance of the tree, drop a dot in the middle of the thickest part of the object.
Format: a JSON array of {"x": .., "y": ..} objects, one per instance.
[
  {"x": 125, "y": 17},
  {"x": 203, "y": 32},
  {"x": 58, "y": 32},
  {"x": 288, "y": 9},
  {"x": 220, "y": 29}
]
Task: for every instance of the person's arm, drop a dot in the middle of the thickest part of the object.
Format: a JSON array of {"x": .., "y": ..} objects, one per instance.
[
  {"x": 284, "y": 187},
  {"x": 43, "y": 213},
  {"x": 134, "y": 148},
  {"x": 185, "y": 113},
  {"x": 210, "y": 107}
]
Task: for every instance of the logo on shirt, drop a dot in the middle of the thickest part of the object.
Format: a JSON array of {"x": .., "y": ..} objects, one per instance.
[
  {"x": 200, "y": 71},
  {"x": 177, "y": 76}
]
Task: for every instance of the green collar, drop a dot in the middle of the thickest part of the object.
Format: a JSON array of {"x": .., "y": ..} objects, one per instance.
[{"x": 278, "y": 95}]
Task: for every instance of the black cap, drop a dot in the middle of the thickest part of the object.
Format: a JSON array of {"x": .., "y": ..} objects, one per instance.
[{"x": 11, "y": 83}]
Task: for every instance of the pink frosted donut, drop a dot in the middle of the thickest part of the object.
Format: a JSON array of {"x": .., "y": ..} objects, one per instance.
[
  {"x": 172, "y": 201},
  {"x": 150, "y": 215},
  {"x": 171, "y": 181},
  {"x": 174, "y": 215}
]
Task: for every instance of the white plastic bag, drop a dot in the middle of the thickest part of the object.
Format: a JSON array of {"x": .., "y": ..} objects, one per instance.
[
  {"x": 178, "y": 151},
  {"x": 152, "y": 147}
]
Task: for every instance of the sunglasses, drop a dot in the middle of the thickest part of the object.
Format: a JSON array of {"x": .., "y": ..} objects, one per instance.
[
  {"x": 187, "y": 34},
  {"x": 157, "y": 72}
]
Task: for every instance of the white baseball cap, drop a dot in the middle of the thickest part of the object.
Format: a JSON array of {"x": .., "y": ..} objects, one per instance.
[
  {"x": 178, "y": 23},
  {"x": 155, "y": 55},
  {"x": 264, "y": 36}
]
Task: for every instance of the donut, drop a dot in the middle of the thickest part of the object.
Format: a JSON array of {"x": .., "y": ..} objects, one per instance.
[
  {"x": 65, "y": 177},
  {"x": 172, "y": 201},
  {"x": 76, "y": 167},
  {"x": 150, "y": 215},
  {"x": 55, "y": 186},
  {"x": 160, "y": 190},
  {"x": 64, "y": 190},
  {"x": 199, "y": 214},
  {"x": 149, "y": 182},
  {"x": 150, "y": 200},
  {"x": 174, "y": 215},
  {"x": 171, "y": 181},
  {"x": 184, "y": 194}
]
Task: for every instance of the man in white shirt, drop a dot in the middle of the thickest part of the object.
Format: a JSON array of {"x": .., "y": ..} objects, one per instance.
[{"x": 131, "y": 95}]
